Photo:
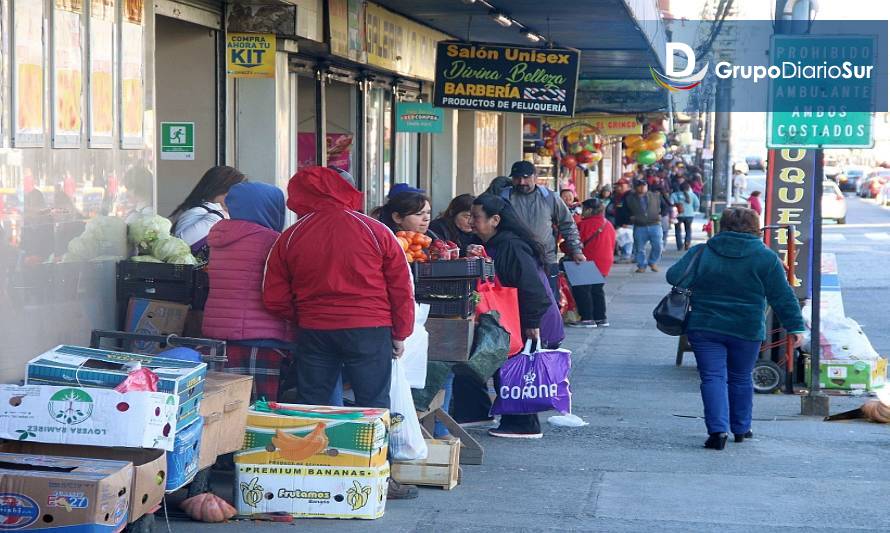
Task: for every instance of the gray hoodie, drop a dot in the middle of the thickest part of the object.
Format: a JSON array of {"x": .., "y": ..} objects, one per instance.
[{"x": 542, "y": 210}]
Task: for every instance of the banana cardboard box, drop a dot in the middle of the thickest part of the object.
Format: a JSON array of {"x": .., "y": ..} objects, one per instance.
[
  {"x": 292, "y": 434},
  {"x": 311, "y": 491},
  {"x": 90, "y": 416}
]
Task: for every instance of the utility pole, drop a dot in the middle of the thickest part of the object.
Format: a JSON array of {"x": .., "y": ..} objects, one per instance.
[
  {"x": 793, "y": 16},
  {"x": 720, "y": 192}
]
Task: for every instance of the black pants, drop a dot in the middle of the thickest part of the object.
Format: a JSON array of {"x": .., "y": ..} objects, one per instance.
[
  {"x": 553, "y": 277},
  {"x": 364, "y": 355},
  {"x": 683, "y": 222},
  {"x": 591, "y": 301}
]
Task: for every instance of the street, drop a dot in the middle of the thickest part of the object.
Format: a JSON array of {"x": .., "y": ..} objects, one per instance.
[{"x": 640, "y": 465}]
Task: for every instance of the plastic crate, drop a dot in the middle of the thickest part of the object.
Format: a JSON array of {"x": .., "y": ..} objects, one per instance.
[
  {"x": 476, "y": 267},
  {"x": 455, "y": 307},
  {"x": 134, "y": 270},
  {"x": 444, "y": 288}
]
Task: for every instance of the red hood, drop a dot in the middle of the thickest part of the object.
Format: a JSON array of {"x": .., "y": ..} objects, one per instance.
[{"x": 316, "y": 188}]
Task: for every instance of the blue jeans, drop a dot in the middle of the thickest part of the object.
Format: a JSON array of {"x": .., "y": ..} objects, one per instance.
[
  {"x": 440, "y": 430},
  {"x": 725, "y": 364},
  {"x": 653, "y": 235}
]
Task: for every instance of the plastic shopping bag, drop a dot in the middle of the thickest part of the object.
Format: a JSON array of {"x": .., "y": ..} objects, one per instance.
[
  {"x": 490, "y": 345},
  {"x": 533, "y": 382},
  {"x": 416, "y": 346},
  {"x": 624, "y": 236},
  {"x": 504, "y": 300},
  {"x": 405, "y": 438}
]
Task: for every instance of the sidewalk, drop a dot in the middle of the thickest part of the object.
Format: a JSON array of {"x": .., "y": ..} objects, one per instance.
[{"x": 640, "y": 465}]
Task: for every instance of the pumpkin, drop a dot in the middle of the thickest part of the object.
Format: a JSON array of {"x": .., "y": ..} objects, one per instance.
[{"x": 207, "y": 507}]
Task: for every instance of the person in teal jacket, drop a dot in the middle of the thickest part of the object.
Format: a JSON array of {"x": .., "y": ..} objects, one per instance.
[
  {"x": 734, "y": 279},
  {"x": 687, "y": 204}
]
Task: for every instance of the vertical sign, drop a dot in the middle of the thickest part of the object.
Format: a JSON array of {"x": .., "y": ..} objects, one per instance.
[
  {"x": 790, "y": 189},
  {"x": 132, "y": 75},
  {"x": 338, "y": 25},
  {"x": 67, "y": 80},
  {"x": 100, "y": 101},
  {"x": 177, "y": 141},
  {"x": 27, "y": 73}
]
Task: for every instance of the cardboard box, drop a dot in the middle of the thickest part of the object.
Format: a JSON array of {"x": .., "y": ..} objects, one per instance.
[
  {"x": 311, "y": 491},
  {"x": 356, "y": 436},
  {"x": 182, "y": 461},
  {"x": 843, "y": 374},
  {"x": 149, "y": 466},
  {"x": 64, "y": 493},
  {"x": 441, "y": 468},
  {"x": 451, "y": 339},
  {"x": 154, "y": 317},
  {"x": 224, "y": 410},
  {"x": 89, "y": 367},
  {"x": 97, "y": 417}
]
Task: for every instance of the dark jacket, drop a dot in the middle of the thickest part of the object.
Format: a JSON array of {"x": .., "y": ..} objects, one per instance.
[
  {"x": 736, "y": 276},
  {"x": 618, "y": 211},
  {"x": 517, "y": 266},
  {"x": 447, "y": 230},
  {"x": 649, "y": 216}
]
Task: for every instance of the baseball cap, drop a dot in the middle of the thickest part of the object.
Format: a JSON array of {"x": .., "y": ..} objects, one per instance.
[
  {"x": 399, "y": 188},
  {"x": 522, "y": 169},
  {"x": 639, "y": 182},
  {"x": 592, "y": 203}
]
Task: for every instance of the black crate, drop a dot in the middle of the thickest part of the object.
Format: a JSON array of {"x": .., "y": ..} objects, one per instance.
[
  {"x": 450, "y": 308},
  {"x": 476, "y": 267},
  {"x": 444, "y": 288},
  {"x": 135, "y": 270}
]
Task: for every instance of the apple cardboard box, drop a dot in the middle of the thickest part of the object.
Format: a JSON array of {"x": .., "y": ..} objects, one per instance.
[
  {"x": 97, "y": 417},
  {"x": 64, "y": 493},
  {"x": 154, "y": 317},
  {"x": 150, "y": 468},
  {"x": 224, "y": 409}
]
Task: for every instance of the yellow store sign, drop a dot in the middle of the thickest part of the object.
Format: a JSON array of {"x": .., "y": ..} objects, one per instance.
[
  {"x": 601, "y": 124},
  {"x": 250, "y": 55},
  {"x": 401, "y": 45}
]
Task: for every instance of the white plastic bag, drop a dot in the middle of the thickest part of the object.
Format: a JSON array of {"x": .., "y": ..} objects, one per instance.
[
  {"x": 416, "y": 346},
  {"x": 405, "y": 438},
  {"x": 844, "y": 339},
  {"x": 624, "y": 236}
]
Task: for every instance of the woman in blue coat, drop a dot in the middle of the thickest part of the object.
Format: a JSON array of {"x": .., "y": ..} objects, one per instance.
[{"x": 734, "y": 280}]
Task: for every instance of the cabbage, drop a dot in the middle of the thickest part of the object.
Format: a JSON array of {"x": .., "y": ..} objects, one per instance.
[
  {"x": 187, "y": 259},
  {"x": 147, "y": 229},
  {"x": 169, "y": 247},
  {"x": 82, "y": 248},
  {"x": 145, "y": 259}
]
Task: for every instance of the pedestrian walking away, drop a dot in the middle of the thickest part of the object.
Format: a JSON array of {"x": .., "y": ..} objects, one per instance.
[
  {"x": 541, "y": 210},
  {"x": 735, "y": 277},
  {"x": 687, "y": 204},
  {"x": 645, "y": 214},
  {"x": 598, "y": 239}
]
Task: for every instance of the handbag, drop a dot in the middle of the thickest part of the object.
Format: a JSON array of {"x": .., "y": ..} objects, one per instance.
[
  {"x": 504, "y": 300},
  {"x": 534, "y": 382},
  {"x": 672, "y": 312}
]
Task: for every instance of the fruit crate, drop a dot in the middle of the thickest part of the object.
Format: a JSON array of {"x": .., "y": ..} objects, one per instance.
[
  {"x": 450, "y": 307},
  {"x": 438, "y": 289},
  {"x": 186, "y": 284},
  {"x": 475, "y": 267}
]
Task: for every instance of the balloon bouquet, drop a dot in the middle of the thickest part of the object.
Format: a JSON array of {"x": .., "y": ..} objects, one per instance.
[{"x": 645, "y": 150}]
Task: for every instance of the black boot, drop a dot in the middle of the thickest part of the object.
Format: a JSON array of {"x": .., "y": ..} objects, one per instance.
[
  {"x": 742, "y": 437},
  {"x": 716, "y": 441}
]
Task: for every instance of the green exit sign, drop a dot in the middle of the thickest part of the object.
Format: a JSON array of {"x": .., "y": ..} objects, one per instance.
[{"x": 177, "y": 141}]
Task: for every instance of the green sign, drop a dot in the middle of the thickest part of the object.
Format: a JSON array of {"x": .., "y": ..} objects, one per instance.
[
  {"x": 178, "y": 141},
  {"x": 416, "y": 117},
  {"x": 830, "y": 113}
]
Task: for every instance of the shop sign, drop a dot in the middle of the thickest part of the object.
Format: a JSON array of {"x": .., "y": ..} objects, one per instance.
[
  {"x": 493, "y": 77},
  {"x": 178, "y": 141},
  {"x": 250, "y": 55},
  {"x": 834, "y": 114},
  {"x": 790, "y": 187},
  {"x": 401, "y": 45},
  {"x": 617, "y": 125},
  {"x": 417, "y": 117},
  {"x": 347, "y": 28}
]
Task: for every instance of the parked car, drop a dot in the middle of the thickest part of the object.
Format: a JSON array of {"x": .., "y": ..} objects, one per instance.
[
  {"x": 834, "y": 205},
  {"x": 871, "y": 185},
  {"x": 849, "y": 179},
  {"x": 755, "y": 162}
]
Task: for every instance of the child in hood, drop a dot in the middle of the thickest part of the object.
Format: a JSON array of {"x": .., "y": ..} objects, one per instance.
[
  {"x": 234, "y": 311},
  {"x": 598, "y": 242}
]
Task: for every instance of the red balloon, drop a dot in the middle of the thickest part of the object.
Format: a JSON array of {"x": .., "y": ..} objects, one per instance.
[
  {"x": 570, "y": 162},
  {"x": 584, "y": 156},
  {"x": 552, "y": 133}
]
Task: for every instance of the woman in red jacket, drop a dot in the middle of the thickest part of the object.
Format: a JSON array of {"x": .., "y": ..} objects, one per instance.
[
  {"x": 598, "y": 242},
  {"x": 234, "y": 311}
]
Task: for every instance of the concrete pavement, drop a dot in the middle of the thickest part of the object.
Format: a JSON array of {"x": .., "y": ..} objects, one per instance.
[{"x": 640, "y": 465}]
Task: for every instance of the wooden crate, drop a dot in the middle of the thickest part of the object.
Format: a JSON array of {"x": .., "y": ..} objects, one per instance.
[
  {"x": 451, "y": 339},
  {"x": 439, "y": 469}
]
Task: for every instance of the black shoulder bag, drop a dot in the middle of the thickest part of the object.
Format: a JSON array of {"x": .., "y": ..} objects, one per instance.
[{"x": 672, "y": 311}]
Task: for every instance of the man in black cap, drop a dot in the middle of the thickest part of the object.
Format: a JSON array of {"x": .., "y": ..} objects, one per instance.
[
  {"x": 543, "y": 209},
  {"x": 645, "y": 214}
]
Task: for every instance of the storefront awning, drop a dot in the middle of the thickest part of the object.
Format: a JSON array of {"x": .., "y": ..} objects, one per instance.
[{"x": 618, "y": 40}]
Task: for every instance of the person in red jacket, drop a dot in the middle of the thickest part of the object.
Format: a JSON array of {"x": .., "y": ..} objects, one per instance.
[
  {"x": 598, "y": 241},
  {"x": 343, "y": 279},
  {"x": 257, "y": 339}
]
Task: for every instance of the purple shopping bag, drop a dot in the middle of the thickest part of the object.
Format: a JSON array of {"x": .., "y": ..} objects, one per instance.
[{"x": 534, "y": 382}]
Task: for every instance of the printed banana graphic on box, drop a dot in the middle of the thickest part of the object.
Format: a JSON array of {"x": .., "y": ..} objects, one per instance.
[{"x": 358, "y": 495}]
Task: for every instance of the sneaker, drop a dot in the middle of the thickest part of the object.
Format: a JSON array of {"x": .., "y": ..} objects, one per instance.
[
  {"x": 653, "y": 267},
  {"x": 602, "y": 323},
  {"x": 640, "y": 270},
  {"x": 582, "y": 324},
  {"x": 512, "y": 434},
  {"x": 399, "y": 491}
]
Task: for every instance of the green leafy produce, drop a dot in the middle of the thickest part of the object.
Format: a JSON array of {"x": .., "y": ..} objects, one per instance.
[
  {"x": 187, "y": 259},
  {"x": 148, "y": 229},
  {"x": 145, "y": 259},
  {"x": 103, "y": 236},
  {"x": 169, "y": 247}
]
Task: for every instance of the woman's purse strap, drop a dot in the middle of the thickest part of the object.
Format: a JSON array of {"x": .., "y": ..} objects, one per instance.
[{"x": 691, "y": 267}]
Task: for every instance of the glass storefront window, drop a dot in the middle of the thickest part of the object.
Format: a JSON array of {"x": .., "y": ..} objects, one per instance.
[
  {"x": 406, "y": 158},
  {"x": 373, "y": 151},
  {"x": 486, "y": 160},
  {"x": 387, "y": 143}
]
